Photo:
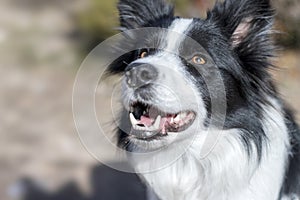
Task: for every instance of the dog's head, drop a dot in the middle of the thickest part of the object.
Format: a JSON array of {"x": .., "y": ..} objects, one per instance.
[{"x": 182, "y": 65}]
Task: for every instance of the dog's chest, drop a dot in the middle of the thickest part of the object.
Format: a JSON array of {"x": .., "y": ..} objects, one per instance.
[
  {"x": 175, "y": 182},
  {"x": 186, "y": 179}
]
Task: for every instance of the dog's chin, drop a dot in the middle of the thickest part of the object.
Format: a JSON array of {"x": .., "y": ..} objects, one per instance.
[{"x": 153, "y": 127}]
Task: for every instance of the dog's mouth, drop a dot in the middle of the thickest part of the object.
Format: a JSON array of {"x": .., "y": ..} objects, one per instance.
[{"x": 148, "y": 118}]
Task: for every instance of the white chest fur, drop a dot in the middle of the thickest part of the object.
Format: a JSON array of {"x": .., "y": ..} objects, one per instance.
[{"x": 226, "y": 173}]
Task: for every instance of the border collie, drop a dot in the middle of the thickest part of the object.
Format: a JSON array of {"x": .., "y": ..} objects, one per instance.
[{"x": 205, "y": 82}]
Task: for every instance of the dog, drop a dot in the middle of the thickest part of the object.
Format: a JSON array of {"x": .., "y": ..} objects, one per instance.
[{"x": 195, "y": 83}]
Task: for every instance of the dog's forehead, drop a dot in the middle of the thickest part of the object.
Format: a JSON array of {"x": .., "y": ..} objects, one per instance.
[
  {"x": 176, "y": 34},
  {"x": 179, "y": 37}
]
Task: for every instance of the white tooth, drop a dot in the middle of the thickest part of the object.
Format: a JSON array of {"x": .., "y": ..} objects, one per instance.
[
  {"x": 177, "y": 118},
  {"x": 180, "y": 116},
  {"x": 132, "y": 119},
  {"x": 157, "y": 122},
  {"x": 172, "y": 120}
]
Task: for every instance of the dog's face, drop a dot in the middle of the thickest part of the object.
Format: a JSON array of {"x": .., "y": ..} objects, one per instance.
[{"x": 182, "y": 66}]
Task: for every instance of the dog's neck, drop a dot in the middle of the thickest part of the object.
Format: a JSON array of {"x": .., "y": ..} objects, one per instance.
[{"x": 227, "y": 172}]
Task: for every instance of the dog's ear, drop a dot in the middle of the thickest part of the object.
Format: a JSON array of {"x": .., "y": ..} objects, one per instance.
[
  {"x": 138, "y": 13},
  {"x": 247, "y": 23}
]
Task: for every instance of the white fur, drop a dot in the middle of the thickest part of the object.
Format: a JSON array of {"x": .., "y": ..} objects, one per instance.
[
  {"x": 226, "y": 174},
  {"x": 176, "y": 34}
]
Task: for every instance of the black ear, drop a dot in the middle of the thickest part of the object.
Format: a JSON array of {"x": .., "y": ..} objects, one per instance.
[
  {"x": 247, "y": 23},
  {"x": 138, "y": 13}
]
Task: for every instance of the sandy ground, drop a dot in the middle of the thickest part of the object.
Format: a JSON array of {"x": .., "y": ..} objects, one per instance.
[{"x": 37, "y": 70}]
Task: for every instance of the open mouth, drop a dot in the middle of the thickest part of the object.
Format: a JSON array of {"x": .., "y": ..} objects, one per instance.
[{"x": 147, "y": 118}]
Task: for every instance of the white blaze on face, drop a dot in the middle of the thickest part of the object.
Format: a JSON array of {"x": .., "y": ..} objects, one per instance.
[
  {"x": 176, "y": 34},
  {"x": 173, "y": 90}
]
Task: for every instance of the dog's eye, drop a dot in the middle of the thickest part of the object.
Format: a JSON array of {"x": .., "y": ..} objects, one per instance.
[
  {"x": 143, "y": 54},
  {"x": 198, "y": 60}
]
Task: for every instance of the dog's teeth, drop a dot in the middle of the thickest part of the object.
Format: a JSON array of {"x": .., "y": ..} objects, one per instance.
[
  {"x": 172, "y": 120},
  {"x": 157, "y": 122},
  {"x": 132, "y": 119},
  {"x": 155, "y": 126},
  {"x": 177, "y": 118},
  {"x": 180, "y": 116}
]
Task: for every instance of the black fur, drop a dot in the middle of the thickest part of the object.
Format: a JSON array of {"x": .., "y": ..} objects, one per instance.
[
  {"x": 292, "y": 179},
  {"x": 241, "y": 103},
  {"x": 136, "y": 14}
]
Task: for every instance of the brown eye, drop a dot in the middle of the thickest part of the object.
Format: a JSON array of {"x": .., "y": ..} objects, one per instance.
[
  {"x": 198, "y": 60},
  {"x": 143, "y": 54}
]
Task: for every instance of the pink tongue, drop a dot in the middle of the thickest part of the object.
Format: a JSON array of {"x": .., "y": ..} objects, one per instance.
[
  {"x": 146, "y": 121},
  {"x": 149, "y": 121}
]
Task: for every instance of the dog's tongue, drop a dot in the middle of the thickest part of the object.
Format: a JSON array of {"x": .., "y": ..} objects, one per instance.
[{"x": 146, "y": 121}]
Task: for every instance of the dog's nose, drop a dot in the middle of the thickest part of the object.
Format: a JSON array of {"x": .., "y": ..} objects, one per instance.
[{"x": 139, "y": 74}]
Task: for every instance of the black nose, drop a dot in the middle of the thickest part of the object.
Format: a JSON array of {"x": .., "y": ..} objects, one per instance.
[{"x": 139, "y": 74}]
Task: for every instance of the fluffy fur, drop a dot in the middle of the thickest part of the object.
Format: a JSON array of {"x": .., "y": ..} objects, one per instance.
[{"x": 257, "y": 154}]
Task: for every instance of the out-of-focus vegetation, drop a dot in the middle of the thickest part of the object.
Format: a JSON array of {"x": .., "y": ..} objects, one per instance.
[
  {"x": 288, "y": 21},
  {"x": 100, "y": 19}
]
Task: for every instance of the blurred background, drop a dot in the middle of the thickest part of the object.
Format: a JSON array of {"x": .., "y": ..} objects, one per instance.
[{"x": 42, "y": 45}]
